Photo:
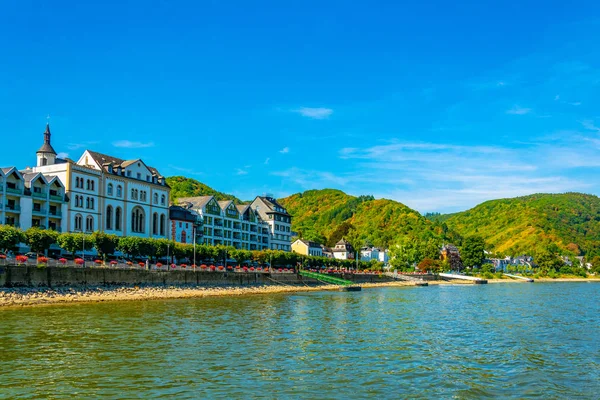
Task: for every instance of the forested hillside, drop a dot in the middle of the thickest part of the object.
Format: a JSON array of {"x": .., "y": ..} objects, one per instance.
[
  {"x": 567, "y": 222},
  {"x": 188, "y": 187},
  {"x": 328, "y": 215}
]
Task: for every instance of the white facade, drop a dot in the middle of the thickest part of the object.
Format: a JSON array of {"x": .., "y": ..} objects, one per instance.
[
  {"x": 278, "y": 220},
  {"x": 108, "y": 194},
  {"x": 31, "y": 199},
  {"x": 225, "y": 223}
]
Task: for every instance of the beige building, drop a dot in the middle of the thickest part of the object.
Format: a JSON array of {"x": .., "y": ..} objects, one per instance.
[{"x": 307, "y": 248}]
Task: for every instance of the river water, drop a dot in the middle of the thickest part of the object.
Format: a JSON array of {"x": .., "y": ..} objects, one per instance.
[{"x": 468, "y": 341}]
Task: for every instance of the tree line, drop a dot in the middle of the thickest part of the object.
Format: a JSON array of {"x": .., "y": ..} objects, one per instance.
[{"x": 40, "y": 241}]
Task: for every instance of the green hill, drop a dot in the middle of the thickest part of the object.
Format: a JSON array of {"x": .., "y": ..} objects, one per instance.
[
  {"x": 188, "y": 187},
  {"x": 528, "y": 224},
  {"x": 327, "y": 215}
]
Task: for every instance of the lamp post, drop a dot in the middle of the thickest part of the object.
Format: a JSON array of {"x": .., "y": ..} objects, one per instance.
[
  {"x": 83, "y": 250},
  {"x": 194, "y": 238},
  {"x": 168, "y": 264}
]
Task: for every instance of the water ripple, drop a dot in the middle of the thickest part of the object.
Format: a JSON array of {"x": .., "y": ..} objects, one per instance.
[{"x": 508, "y": 341}]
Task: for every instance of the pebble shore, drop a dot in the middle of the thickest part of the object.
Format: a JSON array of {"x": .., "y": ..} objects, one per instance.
[{"x": 45, "y": 296}]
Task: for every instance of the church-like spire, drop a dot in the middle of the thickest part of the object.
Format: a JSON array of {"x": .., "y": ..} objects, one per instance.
[{"x": 47, "y": 147}]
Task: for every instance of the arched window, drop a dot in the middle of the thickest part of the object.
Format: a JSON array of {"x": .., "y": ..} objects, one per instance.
[
  {"x": 76, "y": 201},
  {"x": 119, "y": 191},
  {"x": 109, "y": 212},
  {"x": 137, "y": 220},
  {"x": 118, "y": 219},
  {"x": 109, "y": 189},
  {"x": 92, "y": 184},
  {"x": 162, "y": 200},
  {"x": 155, "y": 224},
  {"x": 133, "y": 194},
  {"x": 155, "y": 198},
  {"x": 163, "y": 223},
  {"x": 89, "y": 224},
  {"x": 87, "y": 202},
  {"x": 92, "y": 203},
  {"x": 87, "y": 184},
  {"x": 78, "y": 221},
  {"x": 183, "y": 236}
]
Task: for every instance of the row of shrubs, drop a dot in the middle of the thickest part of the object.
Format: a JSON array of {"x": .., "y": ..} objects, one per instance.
[{"x": 40, "y": 241}]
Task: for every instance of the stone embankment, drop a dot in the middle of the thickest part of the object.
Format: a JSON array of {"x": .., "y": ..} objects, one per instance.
[{"x": 24, "y": 296}]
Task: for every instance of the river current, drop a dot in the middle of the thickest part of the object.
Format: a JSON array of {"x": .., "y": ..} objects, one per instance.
[{"x": 514, "y": 340}]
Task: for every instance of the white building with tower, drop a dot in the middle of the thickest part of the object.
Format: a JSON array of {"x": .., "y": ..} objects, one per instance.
[{"x": 108, "y": 194}]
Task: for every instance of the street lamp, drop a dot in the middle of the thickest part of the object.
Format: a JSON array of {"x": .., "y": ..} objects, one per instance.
[
  {"x": 194, "y": 238},
  {"x": 168, "y": 256},
  {"x": 83, "y": 250}
]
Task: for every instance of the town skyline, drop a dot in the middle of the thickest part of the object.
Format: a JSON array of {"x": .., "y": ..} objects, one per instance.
[{"x": 440, "y": 121}]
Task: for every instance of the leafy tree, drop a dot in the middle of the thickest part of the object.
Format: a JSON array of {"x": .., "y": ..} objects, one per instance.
[
  {"x": 472, "y": 252},
  {"x": 74, "y": 242},
  {"x": 105, "y": 244},
  {"x": 429, "y": 265},
  {"x": 548, "y": 262},
  {"x": 40, "y": 240},
  {"x": 405, "y": 254},
  {"x": 10, "y": 237}
]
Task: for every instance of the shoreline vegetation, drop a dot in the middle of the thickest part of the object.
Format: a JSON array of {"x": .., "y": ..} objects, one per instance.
[{"x": 34, "y": 297}]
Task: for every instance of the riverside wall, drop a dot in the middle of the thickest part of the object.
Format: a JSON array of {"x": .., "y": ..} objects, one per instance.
[{"x": 32, "y": 276}]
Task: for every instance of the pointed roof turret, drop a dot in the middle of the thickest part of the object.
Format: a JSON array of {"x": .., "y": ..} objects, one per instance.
[{"x": 47, "y": 147}]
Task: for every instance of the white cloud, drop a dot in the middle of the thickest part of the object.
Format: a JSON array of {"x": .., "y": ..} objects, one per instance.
[
  {"x": 315, "y": 113},
  {"x": 556, "y": 98},
  {"x": 589, "y": 124},
  {"x": 77, "y": 146},
  {"x": 447, "y": 178},
  {"x": 62, "y": 155},
  {"x": 185, "y": 170},
  {"x": 517, "y": 110},
  {"x": 132, "y": 145},
  {"x": 267, "y": 161},
  {"x": 240, "y": 171},
  {"x": 285, "y": 150}
]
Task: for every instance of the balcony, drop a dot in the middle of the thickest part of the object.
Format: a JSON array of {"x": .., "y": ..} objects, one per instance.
[
  {"x": 39, "y": 195},
  {"x": 12, "y": 208},
  {"x": 55, "y": 213},
  {"x": 57, "y": 197},
  {"x": 15, "y": 190},
  {"x": 39, "y": 211}
]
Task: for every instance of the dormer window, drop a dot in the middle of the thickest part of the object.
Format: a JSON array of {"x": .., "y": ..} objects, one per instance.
[
  {"x": 139, "y": 176},
  {"x": 129, "y": 174}
]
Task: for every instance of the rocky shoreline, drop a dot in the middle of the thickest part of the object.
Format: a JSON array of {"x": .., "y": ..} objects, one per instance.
[
  {"x": 23, "y": 296},
  {"x": 26, "y": 296}
]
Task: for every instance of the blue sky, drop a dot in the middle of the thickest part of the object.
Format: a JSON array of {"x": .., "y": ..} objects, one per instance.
[{"x": 439, "y": 106}]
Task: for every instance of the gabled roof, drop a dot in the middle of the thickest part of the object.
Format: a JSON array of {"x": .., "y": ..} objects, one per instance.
[
  {"x": 196, "y": 202},
  {"x": 242, "y": 207},
  {"x": 102, "y": 159},
  {"x": 224, "y": 204},
  {"x": 10, "y": 170},
  {"x": 31, "y": 176},
  {"x": 54, "y": 179},
  {"x": 309, "y": 243}
]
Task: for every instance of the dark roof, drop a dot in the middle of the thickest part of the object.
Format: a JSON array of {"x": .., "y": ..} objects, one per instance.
[
  {"x": 181, "y": 214},
  {"x": 102, "y": 159},
  {"x": 196, "y": 202},
  {"x": 28, "y": 177},
  {"x": 310, "y": 243},
  {"x": 47, "y": 147},
  {"x": 272, "y": 203}
]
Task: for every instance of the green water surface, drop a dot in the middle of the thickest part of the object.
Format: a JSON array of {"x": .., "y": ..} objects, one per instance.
[{"x": 468, "y": 341}]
